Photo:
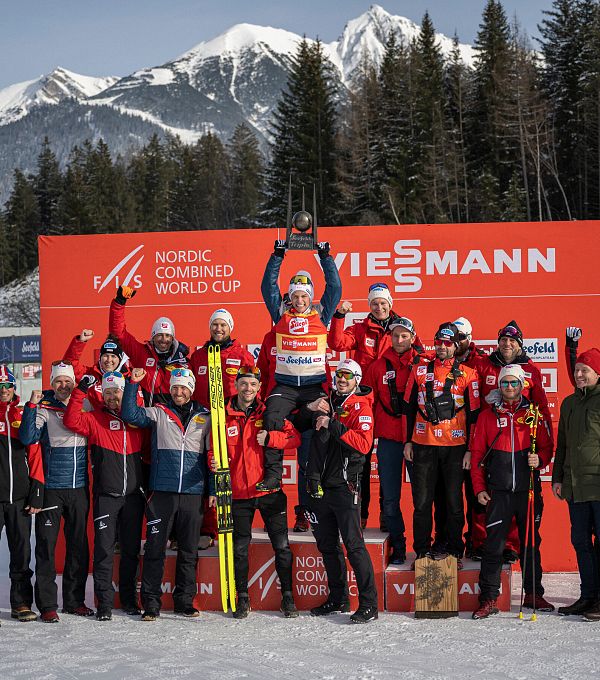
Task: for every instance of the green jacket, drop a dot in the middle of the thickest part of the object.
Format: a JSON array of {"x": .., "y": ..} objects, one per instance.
[{"x": 577, "y": 461}]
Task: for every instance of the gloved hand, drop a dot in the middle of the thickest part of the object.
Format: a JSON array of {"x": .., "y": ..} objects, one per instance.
[
  {"x": 573, "y": 336},
  {"x": 323, "y": 249},
  {"x": 124, "y": 293},
  {"x": 313, "y": 487},
  {"x": 86, "y": 382},
  {"x": 279, "y": 248}
]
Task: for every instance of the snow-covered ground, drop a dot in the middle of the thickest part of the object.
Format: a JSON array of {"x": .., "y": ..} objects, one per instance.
[{"x": 266, "y": 646}]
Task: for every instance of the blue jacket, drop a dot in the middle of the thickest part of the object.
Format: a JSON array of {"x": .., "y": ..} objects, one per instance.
[
  {"x": 329, "y": 301},
  {"x": 178, "y": 461},
  {"x": 64, "y": 453}
]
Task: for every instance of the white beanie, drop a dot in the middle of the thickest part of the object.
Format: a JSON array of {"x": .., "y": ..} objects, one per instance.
[
  {"x": 512, "y": 369},
  {"x": 224, "y": 315},
  {"x": 380, "y": 292},
  {"x": 162, "y": 325},
  {"x": 307, "y": 288},
  {"x": 62, "y": 370},
  {"x": 183, "y": 377},
  {"x": 351, "y": 365},
  {"x": 113, "y": 379},
  {"x": 464, "y": 326}
]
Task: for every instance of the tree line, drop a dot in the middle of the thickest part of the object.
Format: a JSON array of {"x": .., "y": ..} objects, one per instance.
[{"x": 420, "y": 138}]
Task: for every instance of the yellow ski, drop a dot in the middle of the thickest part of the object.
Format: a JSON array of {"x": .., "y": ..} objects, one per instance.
[{"x": 222, "y": 479}]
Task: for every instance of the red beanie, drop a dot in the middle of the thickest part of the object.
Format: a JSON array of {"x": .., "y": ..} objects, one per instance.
[{"x": 591, "y": 358}]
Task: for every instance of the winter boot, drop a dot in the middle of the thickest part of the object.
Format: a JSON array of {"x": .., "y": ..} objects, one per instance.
[
  {"x": 104, "y": 614},
  {"x": 364, "y": 615},
  {"x": 81, "y": 610},
  {"x": 50, "y": 616},
  {"x": 581, "y": 606},
  {"x": 330, "y": 607},
  {"x": 23, "y": 613},
  {"x": 302, "y": 524},
  {"x": 541, "y": 604},
  {"x": 288, "y": 606},
  {"x": 486, "y": 608},
  {"x": 242, "y": 607}
]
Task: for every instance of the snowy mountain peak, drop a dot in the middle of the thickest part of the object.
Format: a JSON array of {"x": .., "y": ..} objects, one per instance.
[{"x": 17, "y": 100}]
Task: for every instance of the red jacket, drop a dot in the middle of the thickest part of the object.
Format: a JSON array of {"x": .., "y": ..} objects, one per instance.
[
  {"x": 388, "y": 425},
  {"x": 246, "y": 455},
  {"x": 21, "y": 468},
  {"x": 503, "y": 432},
  {"x": 155, "y": 384},
  {"x": 489, "y": 366},
  {"x": 115, "y": 446},
  {"x": 233, "y": 356}
]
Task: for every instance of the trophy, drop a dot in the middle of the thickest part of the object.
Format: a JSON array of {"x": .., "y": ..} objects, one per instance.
[{"x": 301, "y": 231}]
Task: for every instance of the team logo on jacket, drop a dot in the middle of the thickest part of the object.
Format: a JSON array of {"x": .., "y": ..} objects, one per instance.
[
  {"x": 234, "y": 362},
  {"x": 232, "y": 431},
  {"x": 365, "y": 419},
  {"x": 114, "y": 425},
  {"x": 344, "y": 414},
  {"x": 456, "y": 434},
  {"x": 390, "y": 375},
  {"x": 16, "y": 423},
  {"x": 150, "y": 362},
  {"x": 420, "y": 428},
  {"x": 429, "y": 377},
  {"x": 199, "y": 419},
  {"x": 201, "y": 370},
  {"x": 306, "y": 344},
  {"x": 421, "y": 370},
  {"x": 258, "y": 423},
  {"x": 490, "y": 380},
  {"x": 273, "y": 350},
  {"x": 370, "y": 342},
  {"x": 60, "y": 414},
  {"x": 2, "y": 427},
  {"x": 298, "y": 326},
  {"x": 231, "y": 371},
  {"x": 503, "y": 422},
  {"x": 365, "y": 426}
]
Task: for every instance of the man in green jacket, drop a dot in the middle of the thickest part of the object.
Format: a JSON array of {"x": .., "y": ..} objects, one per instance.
[{"x": 576, "y": 477}]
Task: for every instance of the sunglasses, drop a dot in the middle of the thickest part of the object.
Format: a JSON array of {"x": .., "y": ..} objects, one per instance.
[
  {"x": 443, "y": 343},
  {"x": 116, "y": 374},
  {"x": 6, "y": 386},
  {"x": 373, "y": 286},
  {"x": 462, "y": 336},
  {"x": 510, "y": 383},
  {"x": 249, "y": 371},
  {"x": 181, "y": 373},
  {"x": 301, "y": 278},
  {"x": 62, "y": 362},
  {"x": 347, "y": 375},
  {"x": 509, "y": 331}
]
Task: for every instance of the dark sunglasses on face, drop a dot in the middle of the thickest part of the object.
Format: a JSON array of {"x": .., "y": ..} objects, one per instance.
[
  {"x": 443, "y": 343},
  {"x": 347, "y": 375},
  {"x": 6, "y": 386},
  {"x": 509, "y": 383}
]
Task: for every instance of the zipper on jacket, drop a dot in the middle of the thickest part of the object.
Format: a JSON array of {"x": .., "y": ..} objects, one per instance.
[
  {"x": 124, "y": 459},
  {"x": 512, "y": 447},
  {"x": 74, "y": 461},
  {"x": 152, "y": 387},
  {"x": 10, "y": 467}
]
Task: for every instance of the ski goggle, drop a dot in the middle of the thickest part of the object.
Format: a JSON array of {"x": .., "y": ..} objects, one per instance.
[
  {"x": 302, "y": 279},
  {"x": 114, "y": 374},
  {"x": 62, "y": 362},
  {"x": 462, "y": 336},
  {"x": 403, "y": 322},
  {"x": 6, "y": 386},
  {"x": 509, "y": 332},
  {"x": 374, "y": 286},
  {"x": 248, "y": 372},
  {"x": 438, "y": 342},
  {"x": 510, "y": 383},
  {"x": 343, "y": 373},
  {"x": 182, "y": 373}
]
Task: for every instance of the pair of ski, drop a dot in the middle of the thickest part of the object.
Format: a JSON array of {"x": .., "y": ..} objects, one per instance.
[{"x": 222, "y": 478}]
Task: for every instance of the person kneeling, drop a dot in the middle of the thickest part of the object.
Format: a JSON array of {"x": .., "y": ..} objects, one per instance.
[
  {"x": 502, "y": 465},
  {"x": 344, "y": 435}
]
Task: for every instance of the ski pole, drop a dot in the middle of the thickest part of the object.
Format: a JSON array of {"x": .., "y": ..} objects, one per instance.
[
  {"x": 531, "y": 419},
  {"x": 524, "y": 565},
  {"x": 532, "y": 536}
]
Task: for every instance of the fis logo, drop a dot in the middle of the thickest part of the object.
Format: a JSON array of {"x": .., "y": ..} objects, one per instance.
[
  {"x": 122, "y": 274},
  {"x": 265, "y": 576}
]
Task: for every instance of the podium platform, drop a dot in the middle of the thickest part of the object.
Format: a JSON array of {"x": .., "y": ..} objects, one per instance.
[{"x": 395, "y": 584}]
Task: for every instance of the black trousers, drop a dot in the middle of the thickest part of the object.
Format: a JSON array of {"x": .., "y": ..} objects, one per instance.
[
  {"x": 17, "y": 523},
  {"x": 280, "y": 403},
  {"x": 503, "y": 506},
  {"x": 164, "y": 511},
  {"x": 440, "y": 510},
  {"x": 73, "y": 506},
  {"x": 338, "y": 513},
  {"x": 122, "y": 515},
  {"x": 273, "y": 510},
  {"x": 431, "y": 463}
]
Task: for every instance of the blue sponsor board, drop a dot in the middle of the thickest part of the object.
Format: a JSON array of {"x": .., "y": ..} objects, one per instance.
[{"x": 20, "y": 349}]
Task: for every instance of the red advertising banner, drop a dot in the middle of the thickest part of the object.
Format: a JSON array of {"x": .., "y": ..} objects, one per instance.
[{"x": 490, "y": 273}]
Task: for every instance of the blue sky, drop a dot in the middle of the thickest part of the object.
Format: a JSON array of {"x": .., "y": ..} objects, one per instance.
[{"x": 116, "y": 37}]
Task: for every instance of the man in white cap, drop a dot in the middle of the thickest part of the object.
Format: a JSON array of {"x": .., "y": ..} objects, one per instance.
[
  {"x": 233, "y": 355},
  {"x": 158, "y": 356},
  {"x": 118, "y": 497},
  {"x": 343, "y": 426},
  {"x": 66, "y": 492},
  {"x": 467, "y": 352},
  {"x": 301, "y": 345},
  {"x": 501, "y": 465},
  {"x": 179, "y": 478}
]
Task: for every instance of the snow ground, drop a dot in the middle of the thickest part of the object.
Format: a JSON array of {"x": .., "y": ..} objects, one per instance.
[{"x": 265, "y": 646}]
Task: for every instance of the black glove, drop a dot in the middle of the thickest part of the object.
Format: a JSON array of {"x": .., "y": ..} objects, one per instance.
[
  {"x": 279, "y": 248},
  {"x": 323, "y": 249},
  {"x": 125, "y": 293},
  {"x": 86, "y": 382}
]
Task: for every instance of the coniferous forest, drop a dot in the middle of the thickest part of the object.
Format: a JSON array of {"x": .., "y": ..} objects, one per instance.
[{"x": 419, "y": 139}]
